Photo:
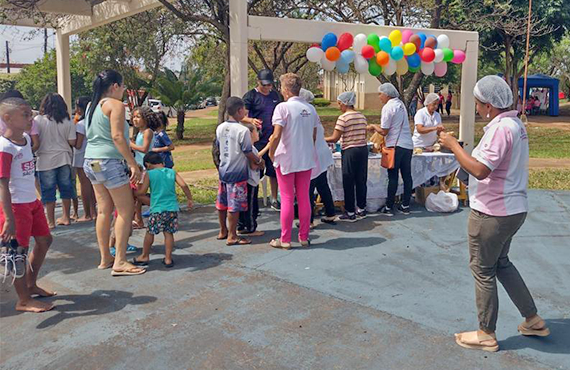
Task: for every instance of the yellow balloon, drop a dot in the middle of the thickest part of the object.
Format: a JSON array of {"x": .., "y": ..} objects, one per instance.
[
  {"x": 409, "y": 48},
  {"x": 401, "y": 67},
  {"x": 395, "y": 37}
]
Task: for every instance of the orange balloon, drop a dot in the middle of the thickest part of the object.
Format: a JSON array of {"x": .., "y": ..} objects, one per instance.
[
  {"x": 333, "y": 53},
  {"x": 382, "y": 58}
]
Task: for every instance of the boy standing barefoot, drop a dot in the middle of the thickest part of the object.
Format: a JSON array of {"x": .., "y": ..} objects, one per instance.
[{"x": 21, "y": 213}]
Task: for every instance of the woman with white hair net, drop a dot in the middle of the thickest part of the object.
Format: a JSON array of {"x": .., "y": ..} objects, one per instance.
[
  {"x": 428, "y": 123},
  {"x": 319, "y": 179},
  {"x": 350, "y": 129},
  {"x": 396, "y": 128},
  {"x": 498, "y": 169}
]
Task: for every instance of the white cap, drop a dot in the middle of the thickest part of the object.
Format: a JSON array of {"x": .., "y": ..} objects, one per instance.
[
  {"x": 495, "y": 91},
  {"x": 430, "y": 98},
  {"x": 306, "y": 95},
  {"x": 347, "y": 98},
  {"x": 389, "y": 89}
]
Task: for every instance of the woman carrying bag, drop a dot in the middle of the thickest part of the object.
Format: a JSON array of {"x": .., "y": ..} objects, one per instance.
[{"x": 398, "y": 149}]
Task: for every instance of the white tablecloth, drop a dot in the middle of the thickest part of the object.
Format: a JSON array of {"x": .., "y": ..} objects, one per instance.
[{"x": 424, "y": 167}]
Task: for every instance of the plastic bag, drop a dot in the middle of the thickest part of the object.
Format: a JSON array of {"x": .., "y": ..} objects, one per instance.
[{"x": 442, "y": 202}]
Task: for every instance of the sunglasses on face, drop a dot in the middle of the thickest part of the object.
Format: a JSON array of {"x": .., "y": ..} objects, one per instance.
[{"x": 266, "y": 85}]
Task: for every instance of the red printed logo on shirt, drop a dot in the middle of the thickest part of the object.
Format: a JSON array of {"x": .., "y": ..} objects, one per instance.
[{"x": 28, "y": 167}]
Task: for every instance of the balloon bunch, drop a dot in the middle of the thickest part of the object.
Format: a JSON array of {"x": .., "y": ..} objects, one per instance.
[{"x": 401, "y": 52}]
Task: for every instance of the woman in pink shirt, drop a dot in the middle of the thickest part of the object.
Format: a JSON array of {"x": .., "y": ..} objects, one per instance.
[
  {"x": 498, "y": 169},
  {"x": 292, "y": 150}
]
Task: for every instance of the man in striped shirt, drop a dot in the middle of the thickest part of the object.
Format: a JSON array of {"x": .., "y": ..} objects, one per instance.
[{"x": 350, "y": 128}]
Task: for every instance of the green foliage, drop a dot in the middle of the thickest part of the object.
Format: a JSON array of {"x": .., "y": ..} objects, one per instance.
[
  {"x": 321, "y": 102},
  {"x": 39, "y": 79},
  {"x": 7, "y": 82}
]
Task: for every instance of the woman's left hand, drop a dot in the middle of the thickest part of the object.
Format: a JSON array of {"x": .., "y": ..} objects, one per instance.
[{"x": 447, "y": 140}]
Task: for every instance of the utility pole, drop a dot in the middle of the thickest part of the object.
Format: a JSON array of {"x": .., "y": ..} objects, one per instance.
[
  {"x": 7, "y": 57},
  {"x": 45, "y": 41}
]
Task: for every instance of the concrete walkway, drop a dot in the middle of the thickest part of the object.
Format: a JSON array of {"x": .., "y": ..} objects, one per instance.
[{"x": 377, "y": 294}]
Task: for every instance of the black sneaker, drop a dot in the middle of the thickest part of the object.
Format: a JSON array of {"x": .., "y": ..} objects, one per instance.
[
  {"x": 347, "y": 217},
  {"x": 329, "y": 220},
  {"x": 361, "y": 214},
  {"x": 386, "y": 211},
  {"x": 405, "y": 210},
  {"x": 275, "y": 205}
]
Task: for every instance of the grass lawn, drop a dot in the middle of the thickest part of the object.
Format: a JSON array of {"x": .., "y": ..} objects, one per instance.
[
  {"x": 193, "y": 160},
  {"x": 550, "y": 178},
  {"x": 196, "y": 131},
  {"x": 204, "y": 191}
]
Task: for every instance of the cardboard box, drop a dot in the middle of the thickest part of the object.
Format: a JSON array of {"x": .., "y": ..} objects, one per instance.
[{"x": 423, "y": 192}]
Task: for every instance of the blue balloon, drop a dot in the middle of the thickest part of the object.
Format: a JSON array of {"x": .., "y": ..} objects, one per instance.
[
  {"x": 347, "y": 56},
  {"x": 414, "y": 60},
  {"x": 342, "y": 67},
  {"x": 328, "y": 40},
  {"x": 386, "y": 45},
  {"x": 397, "y": 53},
  {"x": 423, "y": 37}
]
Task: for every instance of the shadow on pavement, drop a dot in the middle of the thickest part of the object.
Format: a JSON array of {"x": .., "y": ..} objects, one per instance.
[{"x": 557, "y": 342}]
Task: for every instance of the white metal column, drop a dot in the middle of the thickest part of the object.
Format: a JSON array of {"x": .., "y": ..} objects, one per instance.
[
  {"x": 238, "y": 47},
  {"x": 63, "y": 68},
  {"x": 468, "y": 81}
]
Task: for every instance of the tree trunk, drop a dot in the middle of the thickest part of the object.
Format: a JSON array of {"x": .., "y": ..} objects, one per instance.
[
  {"x": 225, "y": 88},
  {"x": 180, "y": 116}
]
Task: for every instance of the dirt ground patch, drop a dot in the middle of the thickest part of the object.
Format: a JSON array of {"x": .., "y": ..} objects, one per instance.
[
  {"x": 549, "y": 163},
  {"x": 194, "y": 176}
]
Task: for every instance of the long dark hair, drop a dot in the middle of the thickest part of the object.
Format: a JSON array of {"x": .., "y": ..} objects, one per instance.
[
  {"x": 101, "y": 85},
  {"x": 149, "y": 117},
  {"x": 54, "y": 107},
  {"x": 81, "y": 103}
]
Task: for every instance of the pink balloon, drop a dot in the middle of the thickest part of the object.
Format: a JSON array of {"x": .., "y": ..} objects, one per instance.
[
  {"x": 440, "y": 69},
  {"x": 458, "y": 56},
  {"x": 406, "y": 34}
]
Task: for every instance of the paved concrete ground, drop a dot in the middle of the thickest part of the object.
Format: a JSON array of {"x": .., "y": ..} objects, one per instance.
[{"x": 378, "y": 294}]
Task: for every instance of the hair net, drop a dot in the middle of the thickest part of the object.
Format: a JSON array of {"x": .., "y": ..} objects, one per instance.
[
  {"x": 430, "y": 98},
  {"x": 347, "y": 98},
  {"x": 495, "y": 91},
  {"x": 306, "y": 95},
  {"x": 389, "y": 89}
]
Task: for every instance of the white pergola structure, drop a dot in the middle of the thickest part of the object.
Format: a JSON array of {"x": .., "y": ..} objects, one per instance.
[{"x": 243, "y": 27}]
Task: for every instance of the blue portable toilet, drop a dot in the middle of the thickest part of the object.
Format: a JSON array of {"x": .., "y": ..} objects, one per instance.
[{"x": 542, "y": 81}]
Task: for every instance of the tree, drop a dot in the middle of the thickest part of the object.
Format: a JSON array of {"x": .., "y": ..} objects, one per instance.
[
  {"x": 555, "y": 62},
  {"x": 39, "y": 79},
  {"x": 183, "y": 91}
]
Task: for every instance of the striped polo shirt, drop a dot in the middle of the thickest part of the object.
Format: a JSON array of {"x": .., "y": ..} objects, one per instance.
[{"x": 352, "y": 124}]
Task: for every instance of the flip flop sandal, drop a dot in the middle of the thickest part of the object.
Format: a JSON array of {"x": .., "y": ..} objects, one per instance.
[
  {"x": 131, "y": 271},
  {"x": 107, "y": 266},
  {"x": 239, "y": 241},
  {"x": 305, "y": 243},
  {"x": 276, "y": 243},
  {"x": 139, "y": 263},
  {"x": 253, "y": 233},
  {"x": 167, "y": 265},
  {"x": 526, "y": 328},
  {"x": 137, "y": 226},
  {"x": 223, "y": 238},
  {"x": 484, "y": 342}
]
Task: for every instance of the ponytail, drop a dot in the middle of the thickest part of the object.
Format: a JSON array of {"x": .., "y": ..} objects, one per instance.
[{"x": 101, "y": 85}]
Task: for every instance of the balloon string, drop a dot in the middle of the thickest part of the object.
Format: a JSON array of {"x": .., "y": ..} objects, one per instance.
[{"x": 526, "y": 58}]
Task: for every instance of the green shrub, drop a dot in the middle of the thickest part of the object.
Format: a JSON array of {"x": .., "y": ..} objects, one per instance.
[
  {"x": 7, "y": 82},
  {"x": 321, "y": 102}
]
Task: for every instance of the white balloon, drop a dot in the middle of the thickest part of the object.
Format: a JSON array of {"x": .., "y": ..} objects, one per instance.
[
  {"x": 327, "y": 64},
  {"x": 390, "y": 68},
  {"x": 438, "y": 55},
  {"x": 360, "y": 64},
  {"x": 315, "y": 54},
  {"x": 427, "y": 68},
  {"x": 442, "y": 41},
  {"x": 360, "y": 41}
]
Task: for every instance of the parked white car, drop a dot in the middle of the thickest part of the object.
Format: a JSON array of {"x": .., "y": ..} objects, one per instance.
[{"x": 155, "y": 105}]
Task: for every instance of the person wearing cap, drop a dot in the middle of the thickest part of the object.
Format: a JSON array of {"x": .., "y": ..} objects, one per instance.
[
  {"x": 498, "y": 169},
  {"x": 319, "y": 179},
  {"x": 260, "y": 103},
  {"x": 350, "y": 129},
  {"x": 394, "y": 125},
  {"x": 428, "y": 123}
]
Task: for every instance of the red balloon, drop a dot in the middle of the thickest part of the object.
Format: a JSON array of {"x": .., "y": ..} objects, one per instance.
[
  {"x": 427, "y": 55},
  {"x": 368, "y": 52},
  {"x": 431, "y": 42},
  {"x": 345, "y": 41},
  {"x": 416, "y": 40},
  {"x": 317, "y": 45}
]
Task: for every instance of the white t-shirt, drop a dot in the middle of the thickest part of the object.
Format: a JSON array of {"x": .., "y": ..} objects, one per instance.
[
  {"x": 504, "y": 150},
  {"x": 254, "y": 175},
  {"x": 234, "y": 141},
  {"x": 423, "y": 117},
  {"x": 17, "y": 163},
  {"x": 395, "y": 118},
  {"x": 79, "y": 154},
  {"x": 54, "y": 150},
  {"x": 324, "y": 153},
  {"x": 296, "y": 150}
]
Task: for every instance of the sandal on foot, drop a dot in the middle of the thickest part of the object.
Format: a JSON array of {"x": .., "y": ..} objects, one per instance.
[
  {"x": 107, "y": 266},
  {"x": 139, "y": 263},
  {"x": 221, "y": 238},
  {"x": 526, "y": 328},
  {"x": 252, "y": 233},
  {"x": 474, "y": 340},
  {"x": 305, "y": 243},
  {"x": 167, "y": 265},
  {"x": 239, "y": 241},
  {"x": 131, "y": 271},
  {"x": 276, "y": 243}
]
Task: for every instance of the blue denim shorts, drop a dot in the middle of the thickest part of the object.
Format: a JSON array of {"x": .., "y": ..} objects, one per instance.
[
  {"x": 57, "y": 178},
  {"x": 114, "y": 172}
]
